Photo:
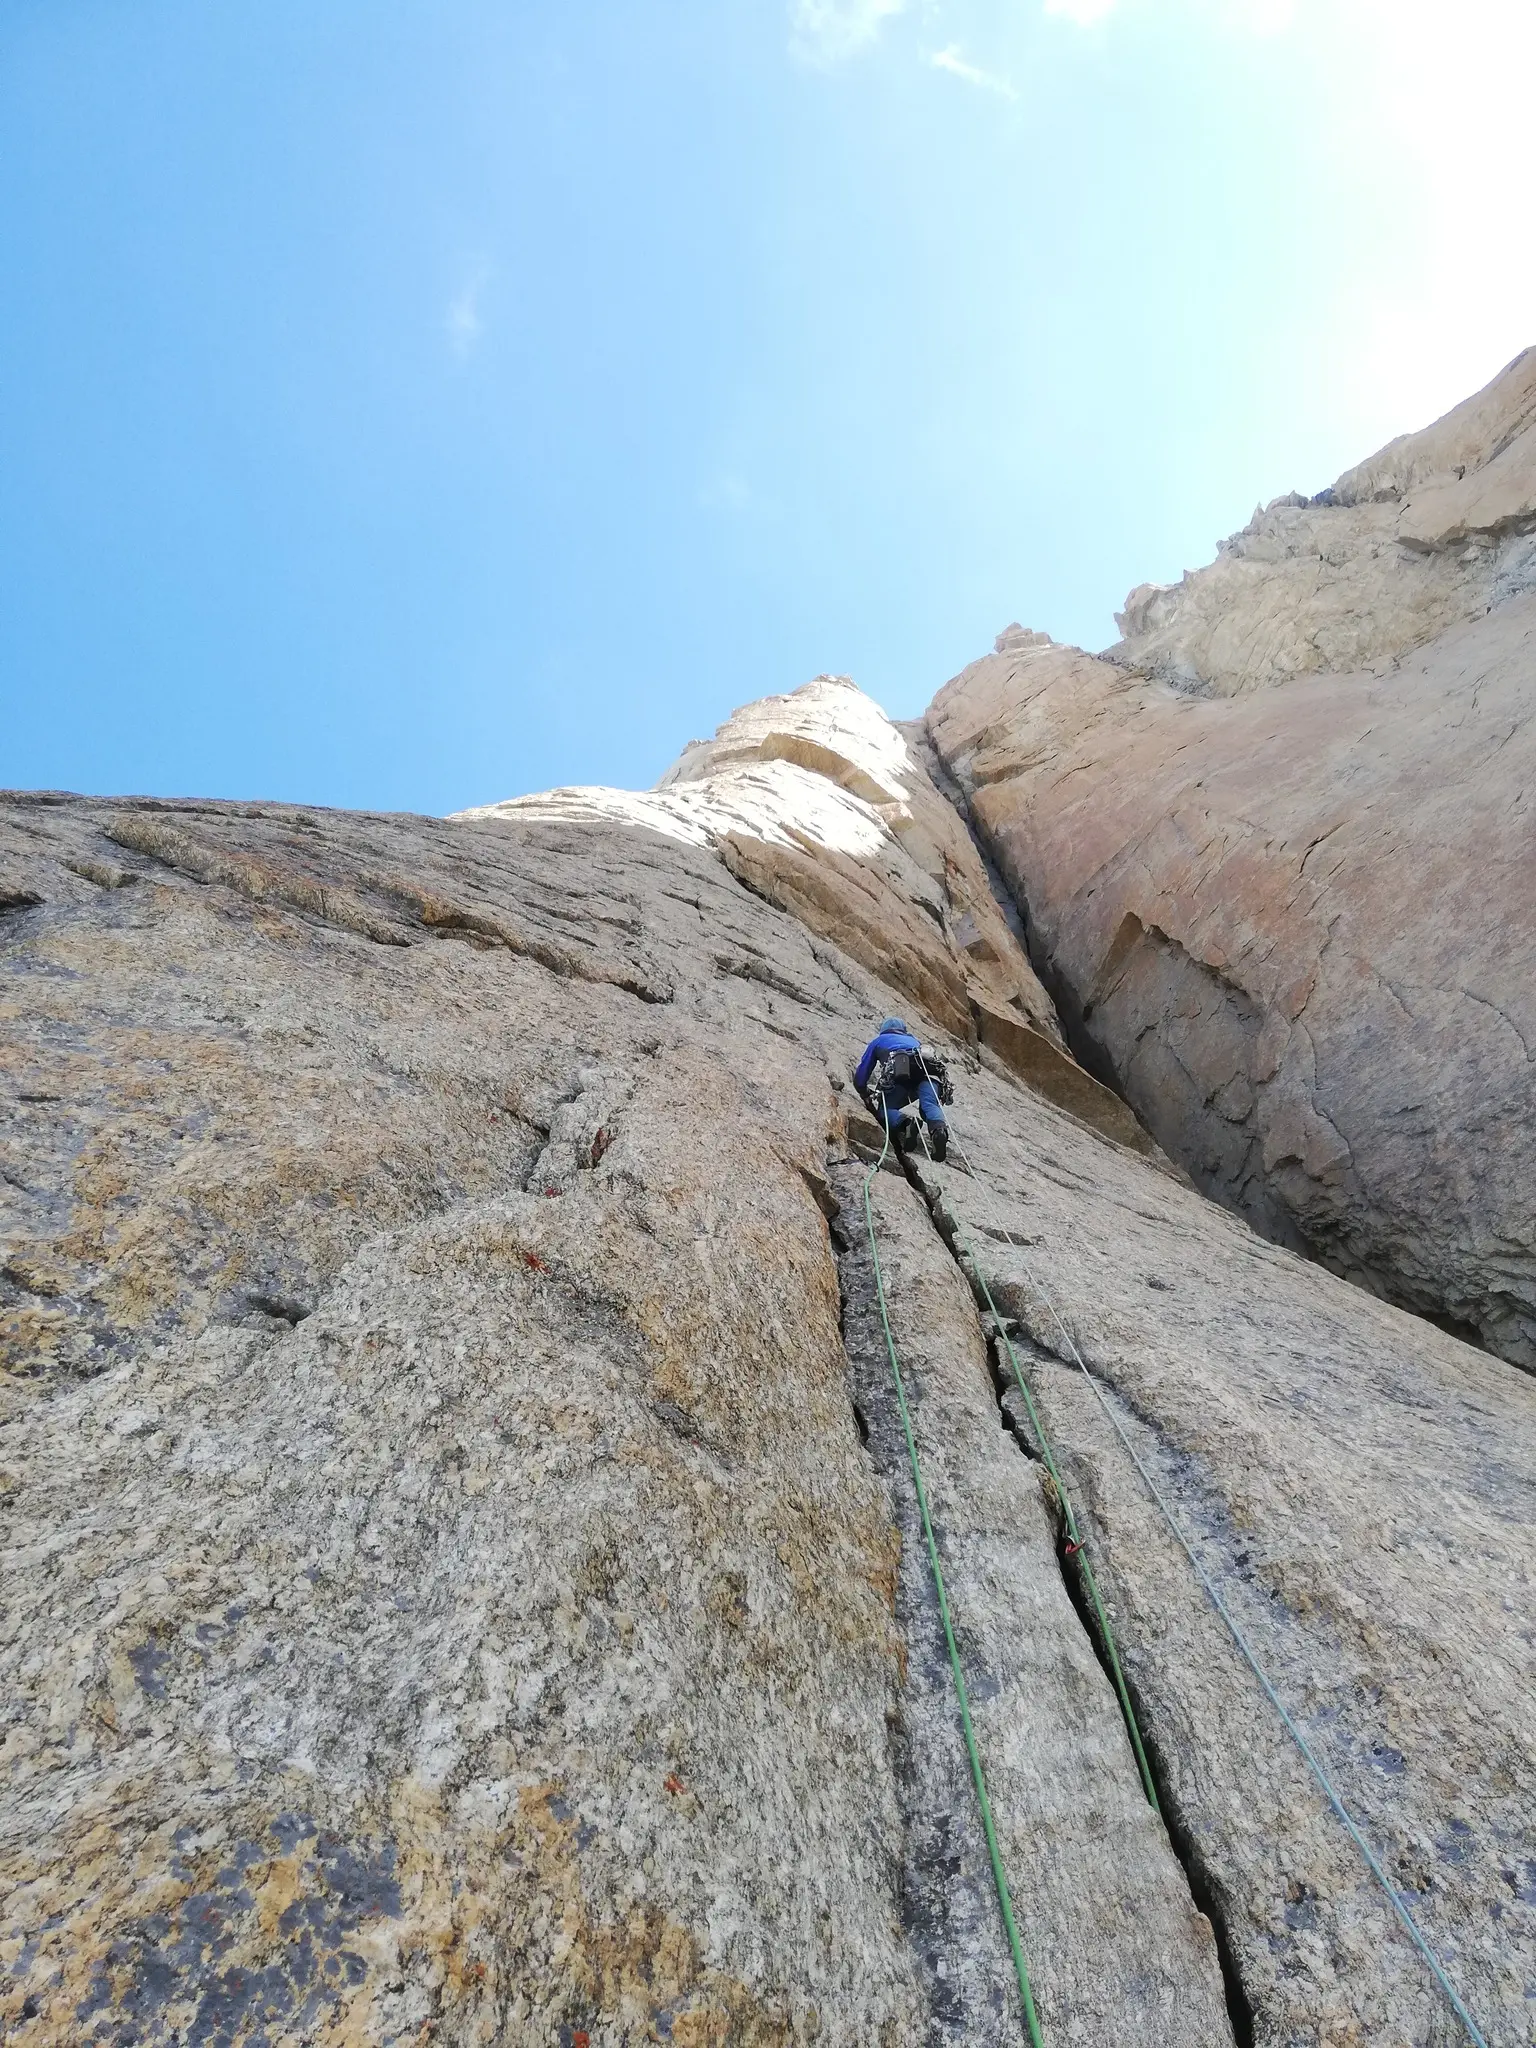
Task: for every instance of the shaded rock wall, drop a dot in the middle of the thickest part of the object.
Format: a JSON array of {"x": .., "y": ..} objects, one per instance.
[{"x": 1282, "y": 881}]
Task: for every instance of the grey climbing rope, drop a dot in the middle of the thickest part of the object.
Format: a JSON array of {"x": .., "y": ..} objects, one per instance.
[
  {"x": 999, "y": 1875},
  {"x": 1398, "y": 1903}
]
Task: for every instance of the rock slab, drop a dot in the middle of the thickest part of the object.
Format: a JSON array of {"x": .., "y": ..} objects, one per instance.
[{"x": 446, "y": 1594}]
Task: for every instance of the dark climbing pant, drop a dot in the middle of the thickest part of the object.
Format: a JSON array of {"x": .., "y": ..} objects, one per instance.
[{"x": 896, "y": 1098}]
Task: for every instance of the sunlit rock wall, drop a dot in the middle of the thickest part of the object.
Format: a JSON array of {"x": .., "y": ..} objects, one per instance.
[{"x": 1278, "y": 858}]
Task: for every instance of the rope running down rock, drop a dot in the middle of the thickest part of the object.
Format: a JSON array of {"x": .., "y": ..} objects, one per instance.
[
  {"x": 1076, "y": 1541},
  {"x": 999, "y": 1875},
  {"x": 1398, "y": 1903}
]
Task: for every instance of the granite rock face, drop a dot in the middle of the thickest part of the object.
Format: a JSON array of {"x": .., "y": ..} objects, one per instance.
[
  {"x": 1277, "y": 855},
  {"x": 463, "y": 1576},
  {"x": 1359, "y": 1490},
  {"x": 1112, "y": 1928},
  {"x": 825, "y": 808},
  {"x": 447, "y": 1595},
  {"x": 1437, "y": 528},
  {"x": 816, "y": 803}
]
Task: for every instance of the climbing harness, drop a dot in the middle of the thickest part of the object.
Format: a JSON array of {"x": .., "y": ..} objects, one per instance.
[
  {"x": 999, "y": 1875},
  {"x": 1398, "y": 1903},
  {"x": 911, "y": 1067},
  {"x": 900, "y": 1065}
]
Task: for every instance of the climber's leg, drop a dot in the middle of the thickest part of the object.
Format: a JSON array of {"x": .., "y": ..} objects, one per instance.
[{"x": 933, "y": 1117}]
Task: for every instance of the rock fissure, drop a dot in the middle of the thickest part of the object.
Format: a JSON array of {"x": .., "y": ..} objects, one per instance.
[
  {"x": 950, "y": 1909},
  {"x": 1277, "y": 1602},
  {"x": 1204, "y": 1894},
  {"x": 1286, "y": 1588},
  {"x": 1014, "y": 1419},
  {"x": 1502, "y": 1014}
]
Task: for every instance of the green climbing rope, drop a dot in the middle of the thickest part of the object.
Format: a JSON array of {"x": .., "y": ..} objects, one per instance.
[
  {"x": 1074, "y": 1534},
  {"x": 1394, "y": 1897},
  {"x": 999, "y": 1875}
]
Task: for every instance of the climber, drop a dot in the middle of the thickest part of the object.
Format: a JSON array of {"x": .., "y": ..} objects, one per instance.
[{"x": 903, "y": 1081}]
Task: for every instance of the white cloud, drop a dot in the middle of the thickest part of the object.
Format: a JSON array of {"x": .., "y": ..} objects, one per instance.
[
  {"x": 823, "y": 31},
  {"x": 1263, "y": 17},
  {"x": 1084, "y": 12},
  {"x": 464, "y": 322},
  {"x": 950, "y": 60}
]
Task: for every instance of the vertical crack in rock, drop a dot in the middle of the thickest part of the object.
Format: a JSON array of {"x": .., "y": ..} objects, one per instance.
[
  {"x": 1015, "y": 1421},
  {"x": 1353, "y": 1486},
  {"x": 948, "y": 1905},
  {"x": 1181, "y": 1837},
  {"x": 1080, "y": 1042},
  {"x": 1015, "y": 913},
  {"x": 1117, "y": 1943},
  {"x": 1182, "y": 1840}
]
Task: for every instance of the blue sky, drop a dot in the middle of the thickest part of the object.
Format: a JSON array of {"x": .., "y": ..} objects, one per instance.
[{"x": 405, "y": 406}]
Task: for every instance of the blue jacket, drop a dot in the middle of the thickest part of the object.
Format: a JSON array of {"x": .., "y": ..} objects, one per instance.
[{"x": 882, "y": 1043}]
